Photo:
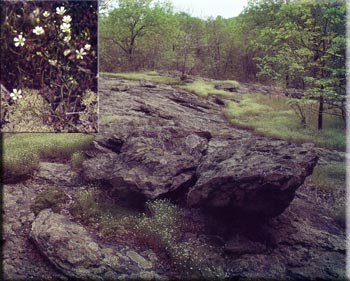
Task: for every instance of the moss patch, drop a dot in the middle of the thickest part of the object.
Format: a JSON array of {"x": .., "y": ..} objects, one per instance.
[
  {"x": 109, "y": 118},
  {"x": 22, "y": 152},
  {"x": 272, "y": 116},
  {"x": 330, "y": 176},
  {"x": 149, "y": 75},
  {"x": 204, "y": 88},
  {"x": 52, "y": 198}
]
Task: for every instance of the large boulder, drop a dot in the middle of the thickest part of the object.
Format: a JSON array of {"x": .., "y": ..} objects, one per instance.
[
  {"x": 73, "y": 250},
  {"x": 168, "y": 141},
  {"x": 258, "y": 176},
  {"x": 152, "y": 160}
]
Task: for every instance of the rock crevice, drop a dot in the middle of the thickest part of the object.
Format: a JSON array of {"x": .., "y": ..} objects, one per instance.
[{"x": 154, "y": 157}]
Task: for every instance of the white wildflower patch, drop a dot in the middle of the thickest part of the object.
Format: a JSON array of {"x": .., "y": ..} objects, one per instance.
[
  {"x": 53, "y": 62},
  {"x": 38, "y": 30},
  {"x": 67, "y": 38},
  {"x": 80, "y": 53},
  {"x": 60, "y": 10},
  {"x": 19, "y": 41},
  {"x": 65, "y": 27},
  {"x": 46, "y": 14},
  {"x": 16, "y": 94},
  {"x": 67, "y": 19}
]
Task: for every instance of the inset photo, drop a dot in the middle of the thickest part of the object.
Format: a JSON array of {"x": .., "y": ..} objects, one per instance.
[{"x": 49, "y": 66}]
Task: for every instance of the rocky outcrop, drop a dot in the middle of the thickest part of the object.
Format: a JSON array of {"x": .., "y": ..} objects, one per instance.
[
  {"x": 255, "y": 176},
  {"x": 170, "y": 141},
  {"x": 303, "y": 243},
  {"x": 78, "y": 255},
  {"x": 57, "y": 174}
]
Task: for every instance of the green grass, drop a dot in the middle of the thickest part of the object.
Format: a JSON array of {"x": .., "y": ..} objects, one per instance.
[
  {"x": 272, "y": 116},
  {"x": 90, "y": 205},
  {"x": 109, "y": 118},
  {"x": 22, "y": 152},
  {"x": 148, "y": 75},
  {"x": 330, "y": 176},
  {"x": 204, "y": 88}
]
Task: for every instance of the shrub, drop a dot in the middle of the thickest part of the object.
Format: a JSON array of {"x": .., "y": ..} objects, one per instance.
[
  {"x": 92, "y": 206},
  {"x": 76, "y": 160},
  {"x": 52, "y": 198},
  {"x": 203, "y": 88}
]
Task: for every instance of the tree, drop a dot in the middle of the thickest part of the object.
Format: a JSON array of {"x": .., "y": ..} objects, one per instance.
[
  {"x": 306, "y": 50},
  {"x": 132, "y": 20}
]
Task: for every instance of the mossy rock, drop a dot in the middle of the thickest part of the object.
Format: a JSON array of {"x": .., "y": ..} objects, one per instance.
[{"x": 52, "y": 198}]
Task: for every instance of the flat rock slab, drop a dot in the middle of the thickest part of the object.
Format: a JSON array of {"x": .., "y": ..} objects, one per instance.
[
  {"x": 168, "y": 140},
  {"x": 77, "y": 254},
  {"x": 57, "y": 174}
]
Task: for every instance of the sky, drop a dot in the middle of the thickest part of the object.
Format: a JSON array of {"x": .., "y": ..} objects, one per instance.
[{"x": 207, "y": 8}]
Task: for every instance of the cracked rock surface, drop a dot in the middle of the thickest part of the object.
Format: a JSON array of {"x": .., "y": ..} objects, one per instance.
[
  {"x": 74, "y": 251},
  {"x": 168, "y": 140}
]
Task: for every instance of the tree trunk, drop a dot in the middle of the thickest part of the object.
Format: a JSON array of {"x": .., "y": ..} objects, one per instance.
[{"x": 320, "y": 113}]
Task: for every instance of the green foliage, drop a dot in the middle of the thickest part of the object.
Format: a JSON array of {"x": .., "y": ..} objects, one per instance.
[
  {"x": 27, "y": 114},
  {"x": 272, "y": 116},
  {"x": 124, "y": 27},
  {"x": 161, "y": 228},
  {"x": 330, "y": 176},
  {"x": 88, "y": 117},
  {"x": 300, "y": 107},
  {"x": 303, "y": 46},
  {"x": 92, "y": 206},
  {"x": 204, "y": 88},
  {"x": 109, "y": 118},
  {"x": 22, "y": 152},
  {"x": 77, "y": 159},
  {"x": 339, "y": 214},
  {"x": 52, "y": 197}
]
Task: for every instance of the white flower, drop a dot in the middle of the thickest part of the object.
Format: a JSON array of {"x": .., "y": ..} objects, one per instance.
[
  {"x": 38, "y": 30},
  {"x": 65, "y": 27},
  {"x": 16, "y": 94},
  {"x": 60, "y": 10},
  {"x": 19, "y": 41},
  {"x": 80, "y": 53},
  {"x": 46, "y": 14},
  {"x": 67, "y": 19},
  {"x": 87, "y": 47},
  {"x": 67, "y": 38},
  {"x": 53, "y": 62},
  {"x": 66, "y": 52},
  {"x": 36, "y": 12}
]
